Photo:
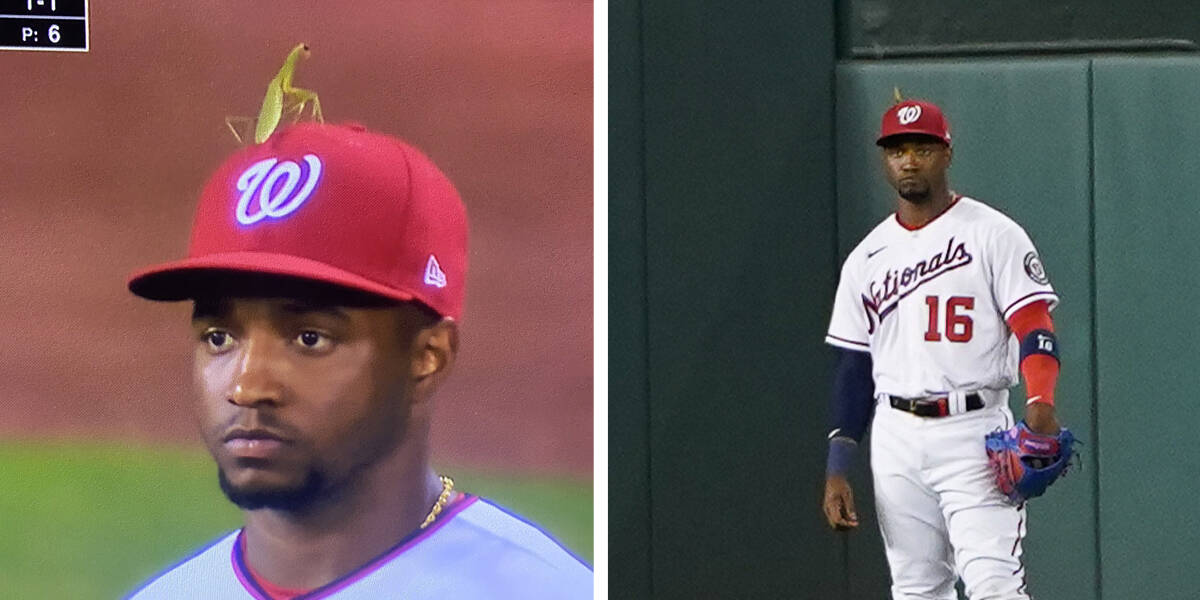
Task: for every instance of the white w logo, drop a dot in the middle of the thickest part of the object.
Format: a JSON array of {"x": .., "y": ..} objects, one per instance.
[
  {"x": 908, "y": 114},
  {"x": 263, "y": 176}
]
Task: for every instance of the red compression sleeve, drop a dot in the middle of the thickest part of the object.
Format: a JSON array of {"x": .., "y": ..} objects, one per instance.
[{"x": 1040, "y": 371}]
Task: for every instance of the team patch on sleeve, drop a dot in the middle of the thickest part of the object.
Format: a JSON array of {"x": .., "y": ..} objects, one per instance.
[{"x": 1035, "y": 270}]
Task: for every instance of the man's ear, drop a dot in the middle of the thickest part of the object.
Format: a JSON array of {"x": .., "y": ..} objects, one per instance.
[{"x": 434, "y": 350}]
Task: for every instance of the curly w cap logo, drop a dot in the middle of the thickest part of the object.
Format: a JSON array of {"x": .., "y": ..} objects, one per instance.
[
  {"x": 268, "y": 188},
  {"x": 908, "y": 114}
]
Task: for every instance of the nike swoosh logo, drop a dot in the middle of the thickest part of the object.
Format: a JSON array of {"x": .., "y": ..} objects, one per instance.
[{"x": 870, "y": 254}]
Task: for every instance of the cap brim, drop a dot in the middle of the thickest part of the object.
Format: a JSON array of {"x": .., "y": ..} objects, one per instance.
[
  {"x": 184, "y": 279},
  {"x": 932, "y": 134}
]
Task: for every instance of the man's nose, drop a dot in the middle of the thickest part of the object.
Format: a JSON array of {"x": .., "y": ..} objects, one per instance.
[{"x": 256, "y": 379}]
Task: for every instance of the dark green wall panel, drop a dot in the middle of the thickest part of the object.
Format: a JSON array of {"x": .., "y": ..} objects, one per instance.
[
  {"x": 629, "y": 539},
  {"x": 1147, "y": 250},
  {"x": 739, "y": 217},
  {"x": 724, "y": 244},
  {"x": 1021, "y": 137},
  {"x": 872, "y": 26}
]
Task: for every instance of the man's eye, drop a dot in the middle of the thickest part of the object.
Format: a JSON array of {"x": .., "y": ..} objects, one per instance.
[
  {"x": 218, "y": 340},
  {"x": 313, "y": 340}
]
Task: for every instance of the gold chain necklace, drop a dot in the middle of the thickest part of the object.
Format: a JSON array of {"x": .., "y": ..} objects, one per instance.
[{"x": 447, "y": 486}]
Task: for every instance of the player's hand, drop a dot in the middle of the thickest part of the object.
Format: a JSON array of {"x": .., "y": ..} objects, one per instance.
[
  {"x": 1040, "y": 418},
  {"x": 839, "y": 503}
]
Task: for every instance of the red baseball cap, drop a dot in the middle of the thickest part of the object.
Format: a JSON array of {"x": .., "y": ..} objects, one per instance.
[
  {"x": 330, "y": 203},
  {"x": 914, "y": 116}
]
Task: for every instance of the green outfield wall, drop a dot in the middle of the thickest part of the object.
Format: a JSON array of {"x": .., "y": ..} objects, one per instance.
[
  {"x": 875, "y": 28},
  {"x": 1147, "y": 213},
  {"x": 722, "y": 240},
  {"x": 628, "y": 413},
  {"x": 731, "y": 207}
]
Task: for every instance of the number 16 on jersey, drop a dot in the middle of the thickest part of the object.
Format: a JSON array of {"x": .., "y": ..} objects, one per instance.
[{"x": 958, "y": 325}]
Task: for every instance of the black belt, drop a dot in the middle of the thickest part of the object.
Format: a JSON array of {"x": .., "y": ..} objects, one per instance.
[{"x": 932, "y": 407}]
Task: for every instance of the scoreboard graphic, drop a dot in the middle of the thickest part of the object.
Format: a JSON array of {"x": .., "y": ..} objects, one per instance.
[{"x": 46, "y": 25}]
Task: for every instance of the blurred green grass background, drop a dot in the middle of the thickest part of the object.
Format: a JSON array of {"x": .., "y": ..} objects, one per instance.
[{"x": 94, "y": 519}]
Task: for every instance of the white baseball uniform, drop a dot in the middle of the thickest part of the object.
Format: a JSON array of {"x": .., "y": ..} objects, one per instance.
[{"x": 930, "y": 305}]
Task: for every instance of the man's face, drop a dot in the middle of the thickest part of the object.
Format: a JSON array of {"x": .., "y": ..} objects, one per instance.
[
  {"x": 915, "y": 165},
  {"x": 298, "y": 395}
]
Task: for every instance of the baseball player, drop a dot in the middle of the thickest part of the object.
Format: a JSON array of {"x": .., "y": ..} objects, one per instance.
[
  {"x": 327, "y": 269},
  {"x": 936, "y": 310}
]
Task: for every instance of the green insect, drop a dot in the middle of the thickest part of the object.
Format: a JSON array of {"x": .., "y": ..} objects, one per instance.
[{"x": 282, "y": 98}]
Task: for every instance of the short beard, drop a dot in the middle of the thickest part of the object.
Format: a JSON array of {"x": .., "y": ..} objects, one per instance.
[
  {"x": 917, "y": 196},
  {"x": 294, "y": 499}
]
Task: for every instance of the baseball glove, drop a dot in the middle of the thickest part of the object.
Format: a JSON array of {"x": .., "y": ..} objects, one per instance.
[{"x": 1026, "y": 463}]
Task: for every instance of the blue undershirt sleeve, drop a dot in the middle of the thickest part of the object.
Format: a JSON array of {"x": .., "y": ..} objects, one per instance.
[
  {"x": 851, "y": 406},
  {"x": 853, "y": 400}
]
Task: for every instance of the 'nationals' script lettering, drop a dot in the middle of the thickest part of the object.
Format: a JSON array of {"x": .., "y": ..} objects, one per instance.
[{"x": 899, "y": 283}]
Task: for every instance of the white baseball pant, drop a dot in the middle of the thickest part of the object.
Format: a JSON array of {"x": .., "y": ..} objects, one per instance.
[{"x": 940, "y": 512}]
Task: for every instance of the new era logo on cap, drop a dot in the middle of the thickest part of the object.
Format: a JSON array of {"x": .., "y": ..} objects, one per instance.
[
  {"x": 433, "y": 273},
  {"x": 330, "y": 203}
]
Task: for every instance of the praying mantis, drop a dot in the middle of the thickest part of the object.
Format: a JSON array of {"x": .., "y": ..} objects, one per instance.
[{"x": 281, "y": 98}]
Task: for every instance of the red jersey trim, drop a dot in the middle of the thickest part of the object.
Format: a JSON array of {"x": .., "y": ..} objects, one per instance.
[
  {"x": 1050, "y": 298},
  {"x": 908, "y": 227}
]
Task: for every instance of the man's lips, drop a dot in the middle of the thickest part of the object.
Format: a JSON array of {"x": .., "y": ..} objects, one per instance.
[
  {"x": 253, "y": 443},
  {"x": 251, "y": 434}
]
